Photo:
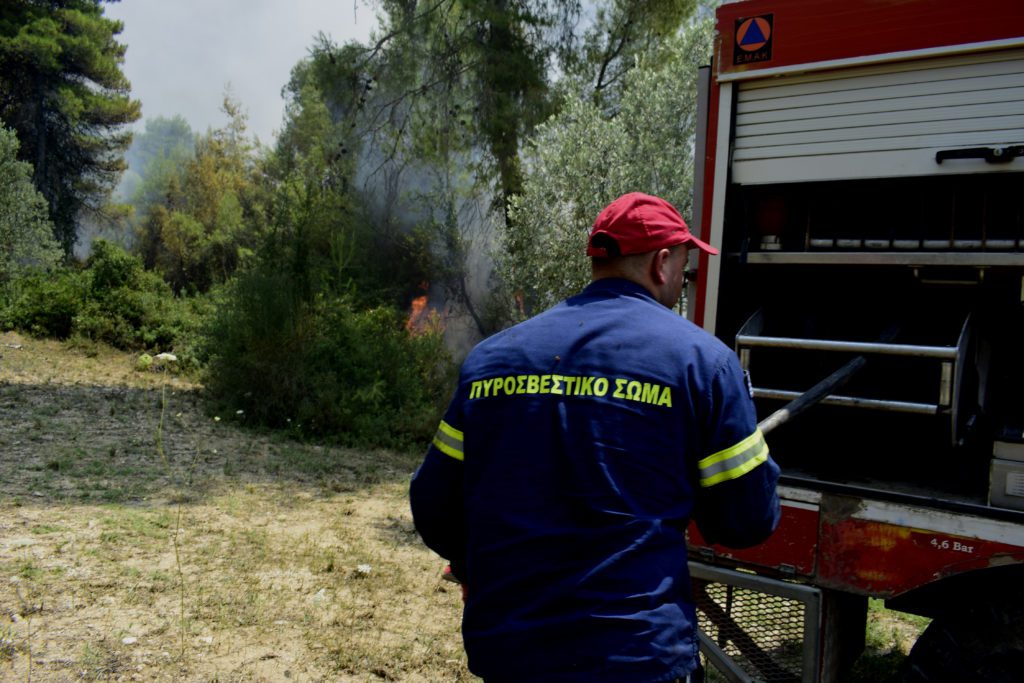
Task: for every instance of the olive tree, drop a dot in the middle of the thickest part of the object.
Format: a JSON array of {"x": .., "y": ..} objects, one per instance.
[{"x": 585, "y": 156}]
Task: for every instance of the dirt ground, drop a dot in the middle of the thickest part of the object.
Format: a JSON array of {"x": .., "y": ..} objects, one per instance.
[{"x": 144, "y": 539}]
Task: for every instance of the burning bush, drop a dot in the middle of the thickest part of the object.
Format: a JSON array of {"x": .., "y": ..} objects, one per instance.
[{"x": 325, "y": 367}]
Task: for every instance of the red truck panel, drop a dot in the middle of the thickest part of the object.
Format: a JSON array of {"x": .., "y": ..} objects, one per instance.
[
  {"x": 792, "y": 549},
  {"x": 884, "y": 560},
  {"x": 838, "y": 549},
  {"x": 806, "y": 31}
]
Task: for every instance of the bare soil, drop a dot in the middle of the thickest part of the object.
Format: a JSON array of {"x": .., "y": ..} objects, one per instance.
[{"x": 144, "y": 539}]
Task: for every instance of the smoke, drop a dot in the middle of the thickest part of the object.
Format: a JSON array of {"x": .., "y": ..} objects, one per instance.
[
  {"x": 403, "y": 195},
  {"x": 110, "y": 224},
  {"x": 160, "y": 150}
]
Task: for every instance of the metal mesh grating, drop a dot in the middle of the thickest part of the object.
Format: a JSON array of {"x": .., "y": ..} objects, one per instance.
[{"x": 763, "y": 634}]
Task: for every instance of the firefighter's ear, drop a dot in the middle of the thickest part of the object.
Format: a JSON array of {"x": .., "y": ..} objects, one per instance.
[{"x": 659, "y": 267}]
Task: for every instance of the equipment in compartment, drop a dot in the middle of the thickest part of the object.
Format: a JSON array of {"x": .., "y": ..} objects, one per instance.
[
  {"x": 1007, "y": 485},
  {"x": 947, "y": 356},
  {"x": 960, "y": 213},
  {"x": 1007, "y": 478}
]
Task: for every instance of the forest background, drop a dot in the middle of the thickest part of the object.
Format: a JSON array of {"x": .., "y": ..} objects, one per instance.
[{"x": 427, "y": 188}]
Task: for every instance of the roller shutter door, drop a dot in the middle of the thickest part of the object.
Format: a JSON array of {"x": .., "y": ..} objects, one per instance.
[{"x": 882, "y": 121}]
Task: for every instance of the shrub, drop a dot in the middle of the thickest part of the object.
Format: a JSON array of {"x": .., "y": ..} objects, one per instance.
[
  {"x": 324, "y": 368},
  {"x": 45, "y": 304},
  {"x": 112, "y": 300}
]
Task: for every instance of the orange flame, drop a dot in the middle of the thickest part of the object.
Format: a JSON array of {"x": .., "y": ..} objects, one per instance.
[
  {"x": 417, "y": 314},
  {"x": 421, "y": 318}
]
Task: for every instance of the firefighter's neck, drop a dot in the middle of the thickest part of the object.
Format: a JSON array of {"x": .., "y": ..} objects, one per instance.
[{"x": 651, "y": 270}]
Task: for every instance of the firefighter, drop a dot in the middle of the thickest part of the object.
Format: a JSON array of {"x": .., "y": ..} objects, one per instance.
[{"x": 575, "y": 451}]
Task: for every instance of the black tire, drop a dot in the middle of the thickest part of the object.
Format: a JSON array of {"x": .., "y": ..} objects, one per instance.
[{"x": 983, "y": 644}]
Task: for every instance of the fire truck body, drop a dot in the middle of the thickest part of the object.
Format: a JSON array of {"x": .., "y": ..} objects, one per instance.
[{"x": 863, "y": 174}]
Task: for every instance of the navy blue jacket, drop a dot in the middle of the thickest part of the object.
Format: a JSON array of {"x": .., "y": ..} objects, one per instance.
[{"x": 575, "y": 451}]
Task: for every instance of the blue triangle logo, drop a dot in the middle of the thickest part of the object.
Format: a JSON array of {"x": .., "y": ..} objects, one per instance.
[{"x": 753, "y": 35}]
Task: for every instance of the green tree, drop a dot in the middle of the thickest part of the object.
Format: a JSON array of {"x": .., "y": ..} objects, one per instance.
[
  {"x": 295, "y": 342},
  {"x": 63, "y": 93},
  {"x": 487, "y": 61},
  {"x": 583, "y": 158},
  {"x": 622, "y": 32},
  {"x": 26, "y": 235},
  {"x": 355, "y": 234},
  {"x": 493, "y": 62},
  {"x": 210, "y": 214}
]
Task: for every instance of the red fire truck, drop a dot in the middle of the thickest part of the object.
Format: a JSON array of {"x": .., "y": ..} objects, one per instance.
[{"x": 861, "y": 165}]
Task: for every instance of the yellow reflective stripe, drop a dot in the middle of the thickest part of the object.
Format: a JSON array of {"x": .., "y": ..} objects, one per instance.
[
  {"x": 450, "y": 431},
  {"x": 734, "y": 461},
  {"x": 731, "y": 450},
  {"x": 737, "y": 471},
  {"x": 448, "y": 440},
  {"x": 447, "y": 450}
]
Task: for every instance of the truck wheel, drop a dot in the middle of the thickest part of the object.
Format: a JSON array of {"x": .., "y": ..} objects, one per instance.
[{"x": 982, "y": 645}]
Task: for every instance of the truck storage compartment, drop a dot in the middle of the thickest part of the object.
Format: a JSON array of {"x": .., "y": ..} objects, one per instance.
[
  {"x": 941, "y": 380},
  {"x": 794, "y": 348},
  {"x": 944, "y": 366},
  {"x": 924, "y": 278},
  {"x": 899, "y": 418}
]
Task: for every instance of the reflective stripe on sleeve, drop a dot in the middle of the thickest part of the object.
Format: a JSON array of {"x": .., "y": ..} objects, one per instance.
[
  {"x": 734, "y": 461},
  {"x": 448, "y": 440}
]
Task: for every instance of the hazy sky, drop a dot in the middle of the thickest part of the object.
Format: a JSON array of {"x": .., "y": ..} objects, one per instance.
[{"x": 182, "y": 53}]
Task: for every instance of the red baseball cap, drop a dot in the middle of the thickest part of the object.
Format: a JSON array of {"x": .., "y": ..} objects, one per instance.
[{"x": 640, "y": 223}]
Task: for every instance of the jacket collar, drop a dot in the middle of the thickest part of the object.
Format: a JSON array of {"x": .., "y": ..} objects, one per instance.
[{"x": 611, "y": 286}]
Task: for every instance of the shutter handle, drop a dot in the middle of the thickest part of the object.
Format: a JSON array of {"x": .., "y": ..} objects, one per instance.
[{"x": 993, "y": 155}]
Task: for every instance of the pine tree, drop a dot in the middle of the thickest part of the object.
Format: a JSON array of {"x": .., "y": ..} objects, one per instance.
[{"x": 62, "y": 91}]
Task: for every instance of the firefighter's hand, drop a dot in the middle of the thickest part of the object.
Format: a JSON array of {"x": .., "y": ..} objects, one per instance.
[{"x": 449, "y": 576}]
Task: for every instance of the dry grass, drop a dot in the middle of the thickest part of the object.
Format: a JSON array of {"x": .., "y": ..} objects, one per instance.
[{"x": 299, "y": 562}]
